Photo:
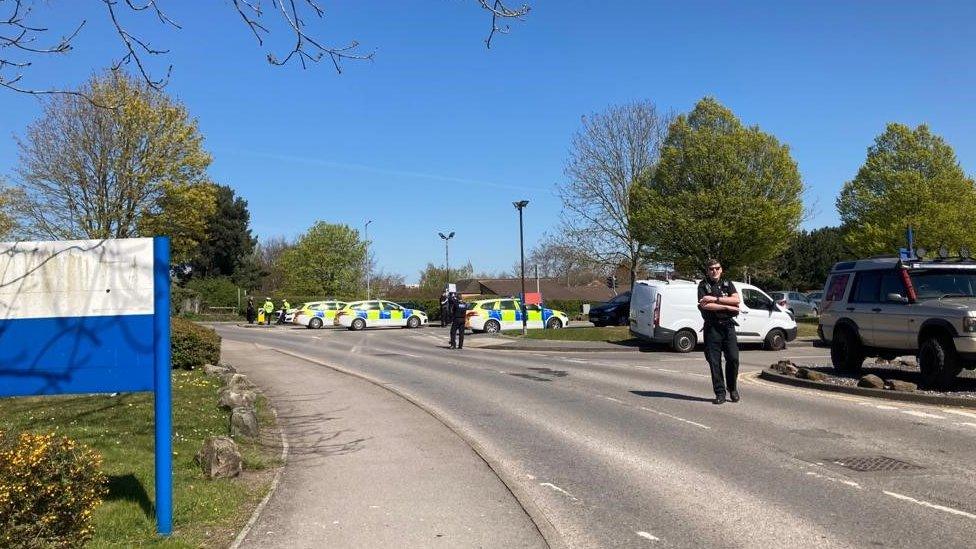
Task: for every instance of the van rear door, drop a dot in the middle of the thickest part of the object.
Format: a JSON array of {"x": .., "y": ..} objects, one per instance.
[{"x": 641, "y": 314}]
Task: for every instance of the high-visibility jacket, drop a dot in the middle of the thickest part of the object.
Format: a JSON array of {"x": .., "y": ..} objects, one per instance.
[
  {"x": 285, "y": 305},
  {"x": 268, "y": 307}
]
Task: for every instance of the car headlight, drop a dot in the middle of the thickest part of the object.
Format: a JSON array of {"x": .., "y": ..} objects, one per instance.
[{"x": 969, "y": 324}]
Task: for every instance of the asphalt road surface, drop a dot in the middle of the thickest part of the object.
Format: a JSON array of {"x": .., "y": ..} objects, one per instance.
[{"x": 626, "y": 449}]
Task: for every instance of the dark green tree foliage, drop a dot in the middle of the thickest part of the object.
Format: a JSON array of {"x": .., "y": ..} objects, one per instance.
[
  {"x": 433, "y": 279},
  {"x": 910, "y": 177},
  {"x": 720, "y": 190},
  {"x": 229, "y": 243},
  {"x": 806, "y": 262},
  {"x": 327, "y": 260}
]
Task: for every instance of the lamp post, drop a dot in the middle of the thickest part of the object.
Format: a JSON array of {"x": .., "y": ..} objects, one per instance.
[
  {"x": 366, "y": 237},
  {"x": 519, "y": 206},
  {"x": 447, "y": 257}
]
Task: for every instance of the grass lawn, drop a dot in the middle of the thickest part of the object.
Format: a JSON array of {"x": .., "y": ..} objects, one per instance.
[
  {"x": 206, "y": 513},
  {"x": 807, "y": 328},
  {"x": 608, "y": 333}
]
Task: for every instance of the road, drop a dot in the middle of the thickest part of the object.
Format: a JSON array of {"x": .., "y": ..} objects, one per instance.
[{"x": 625, "y": 449}]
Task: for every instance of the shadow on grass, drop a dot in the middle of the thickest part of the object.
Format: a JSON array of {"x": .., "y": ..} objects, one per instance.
[
  {"x": 128, "y": 488},
  {"x": 676, "y": 396}
]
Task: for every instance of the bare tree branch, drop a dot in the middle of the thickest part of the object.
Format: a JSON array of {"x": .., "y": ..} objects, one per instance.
[{"x": 498, "y": 11}]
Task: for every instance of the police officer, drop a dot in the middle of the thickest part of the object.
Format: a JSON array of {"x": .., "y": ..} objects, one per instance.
[
  {"x": 718, "y": 301},
  {"x": 445, "y": 308},
  {"x": 459, "y": 310},
  {"x": 284, "y": 310},
  {"x": 251, "y": 313},
  {"x": 268, "y": 309}
]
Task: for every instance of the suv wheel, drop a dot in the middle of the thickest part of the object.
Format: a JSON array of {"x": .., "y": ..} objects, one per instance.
[
  {"x": 776, "y": 340},
  {"x": 846, "y": 352},
  {"x": 938, "y": 362}
]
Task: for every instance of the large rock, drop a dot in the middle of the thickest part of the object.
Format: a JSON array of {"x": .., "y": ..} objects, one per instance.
[
  {"x": 812, "y": 375},
  {"x": 219, "y": 457},
  {"x": 231, "y": 398},
  {"x": 871, "y": 381},
  {"x": 899, "y": 385},
  {"x": 784, "y": 367},
  {"x": 244, "y": 423},
  {"x": 216, "y": 370},
  {"x": 237, "y": 382}
]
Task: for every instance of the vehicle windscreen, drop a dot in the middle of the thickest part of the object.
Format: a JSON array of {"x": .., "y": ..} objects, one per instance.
[{"x": 935, "y": 284}]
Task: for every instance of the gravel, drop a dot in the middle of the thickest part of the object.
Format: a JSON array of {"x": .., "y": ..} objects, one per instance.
[{"x": 903, "y": 368}]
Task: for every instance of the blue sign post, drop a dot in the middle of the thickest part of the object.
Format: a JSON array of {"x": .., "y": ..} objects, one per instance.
[{"x": 91, "y": 316}]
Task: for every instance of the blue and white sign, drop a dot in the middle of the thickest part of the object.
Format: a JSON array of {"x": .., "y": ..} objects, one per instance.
[{"x": 90, "y": 316}]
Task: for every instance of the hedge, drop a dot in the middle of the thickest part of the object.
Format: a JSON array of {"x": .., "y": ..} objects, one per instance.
[{"x": 192, "y": 345}]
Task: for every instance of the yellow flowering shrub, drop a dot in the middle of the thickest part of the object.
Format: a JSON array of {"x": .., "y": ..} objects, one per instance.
[{"x": 49, "y": 487}]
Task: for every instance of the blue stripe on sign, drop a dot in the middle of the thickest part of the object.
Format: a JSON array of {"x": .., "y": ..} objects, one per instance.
[{"x": 91, "y": 354}]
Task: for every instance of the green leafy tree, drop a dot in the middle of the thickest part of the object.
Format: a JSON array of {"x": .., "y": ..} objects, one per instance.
[
  {"x": 806, "y": 262},
  {"x": 327, "y": 260},
  {"x": 720, "y": 190},
  {"x": 434, "y": 278},
  {"x": 135, "y": 170},
  {"x": 910, "y": 178},
  {"x": 228, "y": 244}
]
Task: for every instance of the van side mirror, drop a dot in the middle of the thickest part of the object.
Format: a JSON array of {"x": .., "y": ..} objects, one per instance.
[{"x": 896, "y": 298}]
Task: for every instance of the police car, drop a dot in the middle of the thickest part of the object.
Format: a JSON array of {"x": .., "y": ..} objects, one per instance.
[
  {"x": 316, "y": 314},
  {"x": 493, "y": 315},
  {"x": 376, "y": 312}
]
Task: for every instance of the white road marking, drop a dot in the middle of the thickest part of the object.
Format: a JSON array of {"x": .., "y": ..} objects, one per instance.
[
  {"x": 577, "y": 360},
  {"x": 832, "y": 479},
  {"x": 959, "y": 412},
  {"x": 930, "y": 505},
  {"x": 647, "y": 536},
  {"x": 558, "y": 489},
  {"x": 666, "y": 370},
  {"x": 665, "y": 414},
  {"x": 922, "y": 414},
  {"x": 966, "y": 423},
  {"x": 885, "y": 407},
  {"x": 613, "y": 399}
]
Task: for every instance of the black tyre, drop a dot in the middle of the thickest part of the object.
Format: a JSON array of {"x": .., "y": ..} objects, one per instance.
[
  {"x": 775, "y": 340},
  {"x": 413, "y": 322},
  {"x": 357, "y": 324},
  {"x": 492, "y": 327},
  {"x": 554, "y": 324},
  {"x": 684, "y": 341},
  {"x": 939, "y": 363},
  {"x": 846, "y": 351},
  {"x": 315, "y": 323}
]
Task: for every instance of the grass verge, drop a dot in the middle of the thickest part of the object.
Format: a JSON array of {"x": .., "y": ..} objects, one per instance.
[
  {"x": 614, "y": 334},
  {"x": 206, "y": 513},
  {"x": 807, "y": 327}
]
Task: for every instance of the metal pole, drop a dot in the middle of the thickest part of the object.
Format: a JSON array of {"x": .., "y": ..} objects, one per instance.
[
  {"x": 447, "y": 261},
  {"x": 366, "y": 235},
  {"x": 162, "y": 394},
  {"x": 522, "y": 255}
]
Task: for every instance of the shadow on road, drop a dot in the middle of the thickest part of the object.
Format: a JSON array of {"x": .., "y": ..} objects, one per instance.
[{"x": 676, "y": 396}]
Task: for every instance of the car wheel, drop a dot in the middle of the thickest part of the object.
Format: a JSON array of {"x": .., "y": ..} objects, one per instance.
[
  {"x": 357, "y": 324},
  {"x": 846, "y": 352},
  {"x": 775, "y": 340},
  {"x": 554, "y": 324},
  {"x": 315, "y": 323},
  {"x": 939, "y": 363},
  {"x": 492, "y": 327},
  {"x": 413, "y": 322},
  {"x": 684, "y": 341}
]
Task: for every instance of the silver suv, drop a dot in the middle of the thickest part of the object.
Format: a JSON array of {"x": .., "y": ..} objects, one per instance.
[{"x": 888, "y": 307}]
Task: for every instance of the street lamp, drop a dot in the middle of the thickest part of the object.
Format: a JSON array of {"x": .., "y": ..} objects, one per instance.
[
  {"x": 447, "y": 258},
  {"x": 366, "y": 237},
  {"x": 519, "y": 206}
]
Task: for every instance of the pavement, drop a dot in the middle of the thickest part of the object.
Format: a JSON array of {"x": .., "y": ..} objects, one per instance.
[{"x": 367, "y": 468}]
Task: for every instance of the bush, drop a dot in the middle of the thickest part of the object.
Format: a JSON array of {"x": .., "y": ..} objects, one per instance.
[
  {"x": 217, "y": 291},
  {"x": 192, "y": 345},
  {"x": 49, "y": 487}
]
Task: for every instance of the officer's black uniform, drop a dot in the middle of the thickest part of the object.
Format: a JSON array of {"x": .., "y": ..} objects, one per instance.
[
  {"x": 459, "y": 309},
  {"x": 720, "y": 339},
  {"x": 445, "y": 309}
]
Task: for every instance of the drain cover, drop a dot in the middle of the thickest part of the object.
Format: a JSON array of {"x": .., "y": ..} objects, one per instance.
[{"x": 874, "y": 463}]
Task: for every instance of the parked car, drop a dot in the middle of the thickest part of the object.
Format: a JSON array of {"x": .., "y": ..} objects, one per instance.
[
  {"x": 316, "y": 314},
  {"x": 494, "y": 315},
  {"x": 796, "y": 303},
  {"x": 376, "y": 312},
  {"x": 887, "y": 307},
  {"x": 815, "y": 297},
  {"x": 612, "y": 313},
  {"x": 667, "y": 312}
]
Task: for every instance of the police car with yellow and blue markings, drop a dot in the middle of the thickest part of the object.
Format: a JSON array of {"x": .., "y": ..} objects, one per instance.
[
  {"x": 377, "y": 312},
  {"x": 316, "y": 314},
  {"x": 494, "y": 315}
]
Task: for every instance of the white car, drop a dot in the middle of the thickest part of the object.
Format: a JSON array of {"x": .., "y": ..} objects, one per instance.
[
  {"x": 376, "y": 312},
  {"x": 317, "y": 314},
  {"x": 667, "y": 312},
  {"x": 493, "y": 315}
]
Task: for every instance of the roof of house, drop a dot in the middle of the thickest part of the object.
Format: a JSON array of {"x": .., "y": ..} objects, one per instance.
[{"x": 551, "y": 288}]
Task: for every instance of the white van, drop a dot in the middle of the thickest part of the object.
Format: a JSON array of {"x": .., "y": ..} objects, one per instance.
[{"x": 667, "y": 312}]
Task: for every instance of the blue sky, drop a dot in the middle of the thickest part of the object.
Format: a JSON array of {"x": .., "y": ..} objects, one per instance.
[{"x": 439, "y": 134}]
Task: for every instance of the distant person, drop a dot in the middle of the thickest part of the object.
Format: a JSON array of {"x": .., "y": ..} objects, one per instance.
[
  {"x": 718, "y": 301},
  {"x": 251, "y": 313},
  {"x": 268, "y": 309},
  {"x": 459, "y": 310},
  {"x": 284, "y": 311},
  {"x": 445, "y": 308}
]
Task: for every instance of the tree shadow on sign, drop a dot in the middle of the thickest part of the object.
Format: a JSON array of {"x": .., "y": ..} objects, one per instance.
[
  {"x": 128, "y": 488},
  {"x": 676, "y": 396}
]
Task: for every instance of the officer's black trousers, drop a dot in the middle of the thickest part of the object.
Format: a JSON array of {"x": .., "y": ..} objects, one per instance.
[
  {"x": 457, "y": 333},
  {"x": 720, "y": 339}
]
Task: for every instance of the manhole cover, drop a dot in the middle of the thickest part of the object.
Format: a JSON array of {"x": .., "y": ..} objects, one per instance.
[{"x": 874, "y": 463}]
